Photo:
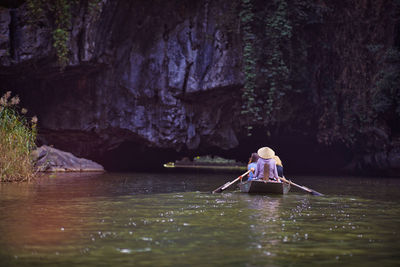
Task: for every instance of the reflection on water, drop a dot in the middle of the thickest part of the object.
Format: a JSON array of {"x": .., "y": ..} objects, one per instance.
[{"x": 172, "y": 219}]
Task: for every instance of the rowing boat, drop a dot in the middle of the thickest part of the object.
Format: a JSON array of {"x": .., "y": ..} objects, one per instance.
[{"x": 264, "y": 187}]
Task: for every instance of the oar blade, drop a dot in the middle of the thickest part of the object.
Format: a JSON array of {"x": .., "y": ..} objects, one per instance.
[
  {"x": 226, "y": 185},
  {"x": 308, "y": 190},
  {"x": 221, "y": 188},
  {"x": 315, "y": 193},
  {"x": 218, "y": 190}
]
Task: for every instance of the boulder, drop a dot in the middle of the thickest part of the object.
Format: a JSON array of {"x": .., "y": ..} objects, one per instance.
[{"x": 49, "y": 159}]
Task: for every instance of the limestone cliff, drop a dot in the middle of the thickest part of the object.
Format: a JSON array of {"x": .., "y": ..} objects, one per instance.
[
  {"x": 150, "y": 81},
  {"x": 150, "y": 73}
]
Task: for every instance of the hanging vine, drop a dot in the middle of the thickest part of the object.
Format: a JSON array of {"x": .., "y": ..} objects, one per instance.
[
  {"x": 249, "y": 107},
  {"x": 278, "y": 32},
  {"x": 61, "y": 35},
  {"x": 266, "y": 45},
  {"x": 60, "y": 12},
  {"x": 359, "y": 106}
]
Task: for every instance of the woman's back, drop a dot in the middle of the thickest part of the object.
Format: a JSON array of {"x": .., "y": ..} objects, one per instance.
[
  {"x": 271, "y": 164},
  {"x": 253, "y": 166}
]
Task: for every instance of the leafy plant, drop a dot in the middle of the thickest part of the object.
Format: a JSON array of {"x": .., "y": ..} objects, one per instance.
[
  {"x": 249, "y": 107},
  {"x": 17, "y": 140},
  {"x": 278, "y": 32},
  {"x": 266, "y": 46},
  {"x": 349, "y": 89},
  {"x": 60, "y": 11}
]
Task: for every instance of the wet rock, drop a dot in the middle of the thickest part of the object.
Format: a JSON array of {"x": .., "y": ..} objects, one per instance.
[
  {"x": 143, "y": 72},
  {"x": 385, "y": 163},
  {"x": 49, "y": 159},
  {"x": 4, "y": 32}
]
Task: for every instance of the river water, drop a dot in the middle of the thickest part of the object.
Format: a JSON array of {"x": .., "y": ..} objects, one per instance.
[{"x": 171, "y": 219}]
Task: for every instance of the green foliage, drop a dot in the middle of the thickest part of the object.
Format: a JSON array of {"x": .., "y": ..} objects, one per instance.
[
  {"x": 213, "y": 160},
  {"x": 249, "y": 108},
  {"x": 94, "y": 6},
  {"x": 35, "y": 9},
  {"x": 60, "y": 11},
  {"x": 361, "y": 106},
  {"x": 348, "y": 88},
  {"x": 278, "y": 32},
  {"x": 266, "y": 33},
  {"x": 60, "y": 44},
  {"x": 17, "y": 139}
]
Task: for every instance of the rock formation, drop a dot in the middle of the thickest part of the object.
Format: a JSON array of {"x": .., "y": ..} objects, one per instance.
[
  {"x": 159, "y": 78},
  {"x": 151, "y": 81},
  {"x": 49, "y": 159}
]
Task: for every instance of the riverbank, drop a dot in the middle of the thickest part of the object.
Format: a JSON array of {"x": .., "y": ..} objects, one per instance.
[{"x": 207, "y": 163}]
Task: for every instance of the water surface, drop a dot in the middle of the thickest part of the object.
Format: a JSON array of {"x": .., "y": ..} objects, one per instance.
[{"x": 126, "y": 219}]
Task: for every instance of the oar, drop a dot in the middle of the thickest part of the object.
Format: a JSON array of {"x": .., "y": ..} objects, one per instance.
[
  {"x": 313, "y": 192},
  {"x": 228, "y": 184}
]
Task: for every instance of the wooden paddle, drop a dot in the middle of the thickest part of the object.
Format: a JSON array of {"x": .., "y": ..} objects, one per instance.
[
  {"x": 313, "y": 192},
  {"x": 228, "y": 184}
]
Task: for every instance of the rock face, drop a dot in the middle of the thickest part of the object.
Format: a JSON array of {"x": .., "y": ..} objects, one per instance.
[
  {"x": 150, "y": 81},
  {"x": 49, "y": 159},
  {"x": 143, "y": 74},
  {"x": 378, "y": 164}
]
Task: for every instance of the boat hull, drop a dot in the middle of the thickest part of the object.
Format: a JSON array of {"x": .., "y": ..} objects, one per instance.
[{"x": 264, "y": 187}]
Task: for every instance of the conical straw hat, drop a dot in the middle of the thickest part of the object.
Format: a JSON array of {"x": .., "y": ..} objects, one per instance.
[{"x": 266, "y": 153}]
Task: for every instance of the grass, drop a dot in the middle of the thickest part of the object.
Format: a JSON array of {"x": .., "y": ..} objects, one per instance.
[{"x": 17, "y": 140}]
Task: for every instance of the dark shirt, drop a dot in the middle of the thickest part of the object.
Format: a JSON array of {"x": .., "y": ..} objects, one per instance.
[{"x": 280, "y": 170}]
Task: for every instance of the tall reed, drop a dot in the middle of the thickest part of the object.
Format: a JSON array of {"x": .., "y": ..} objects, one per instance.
[{"x": 17, "y": 140}]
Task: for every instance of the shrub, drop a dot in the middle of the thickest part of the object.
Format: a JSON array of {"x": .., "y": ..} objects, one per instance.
[{"x": 17, "y": 140}]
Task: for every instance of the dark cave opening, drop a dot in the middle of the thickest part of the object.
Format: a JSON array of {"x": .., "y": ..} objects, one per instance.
[
  {"x": 301, "y": 155},
  {"x": 297, "y": 147},
  {"x": 131, "y": 156}
]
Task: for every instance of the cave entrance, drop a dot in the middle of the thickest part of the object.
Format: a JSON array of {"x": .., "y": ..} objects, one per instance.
[
  {"x": 301, "y": 155},
  {"x": 131, "y": 156}
]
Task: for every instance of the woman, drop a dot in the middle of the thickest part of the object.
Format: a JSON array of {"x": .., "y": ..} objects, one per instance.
[
  {"x": 266, "y": 155},
  {"x": 252, "y": 165},
  {"x": 279, "y": 166}
]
